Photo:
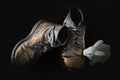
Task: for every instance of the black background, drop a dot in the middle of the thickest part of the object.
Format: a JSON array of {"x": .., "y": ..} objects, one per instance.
[{"x": 18, "y": 17}]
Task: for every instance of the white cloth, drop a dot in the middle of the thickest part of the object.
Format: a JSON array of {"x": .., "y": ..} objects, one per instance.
[{"x": 98, "y": 53}]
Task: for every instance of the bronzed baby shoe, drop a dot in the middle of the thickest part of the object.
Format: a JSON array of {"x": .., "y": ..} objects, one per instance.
[{"x": 43, "y": 37}]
